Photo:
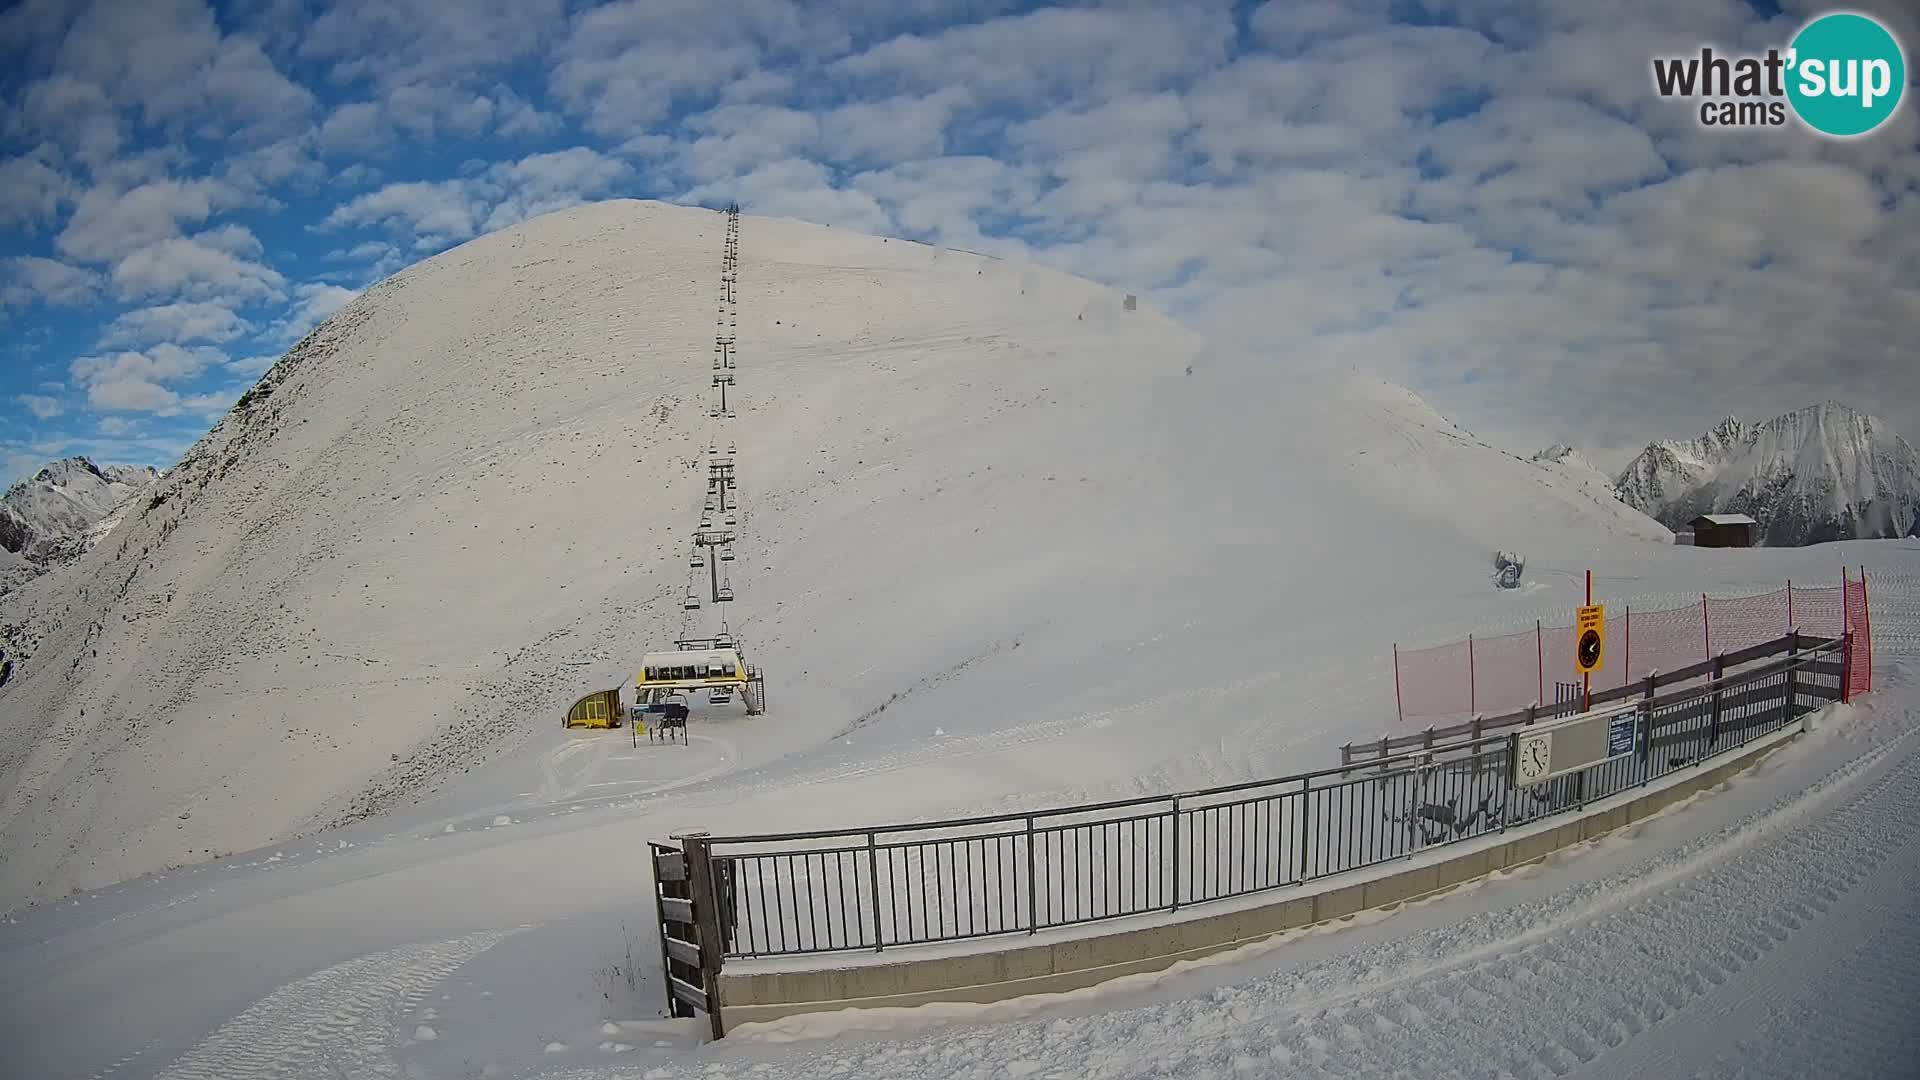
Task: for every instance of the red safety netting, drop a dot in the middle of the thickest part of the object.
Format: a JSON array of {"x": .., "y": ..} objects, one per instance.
[
  {"x": 1859, "y": 620},
  {"x": 1493, "y": 675}
]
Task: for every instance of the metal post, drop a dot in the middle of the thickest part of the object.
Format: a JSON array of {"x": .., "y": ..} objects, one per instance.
[
  {"x": 873, "y": 877},
  {"x": 1793, "y": 674},
  {"x": 1539, "y": 661},
  {"x": 1473, "y": 687},
  {"x": 1306, "y": 804},
  {"x": 1033, "y": 892},
  {"x": 1176, "y": 854},
  {"x": 1789, "y": 604},
  {"x": 1398, "y": 708},
  {"x": 1713, "y": 714},
  {"x": 1646, "y": 704},
  {"x": 1626, "y": 669},
  {"x": 1706, "y": 626}
]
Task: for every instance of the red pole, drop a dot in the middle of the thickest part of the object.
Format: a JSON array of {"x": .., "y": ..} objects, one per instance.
[
  {"x": 1398, "y": 708},
  {"x": 1473, "y": 687},
  {"x": 1586, "y": 678},
  {"x": 1540, "y": 663},
  {"x": 1706, "y": 625}
]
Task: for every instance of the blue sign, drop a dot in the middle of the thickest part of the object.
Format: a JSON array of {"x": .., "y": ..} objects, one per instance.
[{"x": 1620, "y": 732}]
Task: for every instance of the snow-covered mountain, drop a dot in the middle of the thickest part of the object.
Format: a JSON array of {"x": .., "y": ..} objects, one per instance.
[
  {"x": 56, "y": 514},
  {"x": 1582, "y": 475},
  {"x": 1825, "y": 472},
  {"x": 978, "y": 494}
]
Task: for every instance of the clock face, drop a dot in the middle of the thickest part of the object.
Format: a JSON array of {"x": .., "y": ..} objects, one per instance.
[{"x": 1535, "y": 756}]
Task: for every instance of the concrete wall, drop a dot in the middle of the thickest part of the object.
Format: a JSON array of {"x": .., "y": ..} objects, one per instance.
[{"x": 1035, "y": 965}]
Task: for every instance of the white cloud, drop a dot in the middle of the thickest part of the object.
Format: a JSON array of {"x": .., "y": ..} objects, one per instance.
[
  {"x": 371, "y": 249},
  {"x": 43, "y": 407},
  {"x": 118, "y": 425},
  {"x": 252, "y": 366},
  {"x": 395, "y": 43},
  {"x": 168, "y": 60},
  {"x": 182, "y": 322},
  {"x": 433, "y": 215},
  {"x": 31, "y": 192},
  {"x": 358, "y": 127},
  {"x": 198, "y": 267},
  {"x": 30, "y": 278},
  {"x": 1056, "y": 54},
  {"x": 314, "y": 302},
  {"x": 108, "y": 224},
  {"x": 625, "y": 66},
  {"x": 542, "y": 183},
  {"x": 68, "y": 113},
  {"x": 142, "y": 381},
  {"x": 519, "y": 119}
]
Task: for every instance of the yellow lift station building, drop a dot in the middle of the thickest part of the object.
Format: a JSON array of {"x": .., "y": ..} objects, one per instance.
[{"x": 719, "y": 671}]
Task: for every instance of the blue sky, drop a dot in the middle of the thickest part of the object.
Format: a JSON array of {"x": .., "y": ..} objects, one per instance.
[{"x": 1482, "y": 199}]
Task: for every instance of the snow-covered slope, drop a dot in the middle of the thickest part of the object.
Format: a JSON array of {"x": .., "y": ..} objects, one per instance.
[
  {"x": 1825, "y": 472},
  {"x": 1573, "y": 467},
  {"x": 977, "y": 497}
]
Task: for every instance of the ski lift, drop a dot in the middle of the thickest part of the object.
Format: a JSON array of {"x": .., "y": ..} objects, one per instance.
[
  {"x": 726, "y": 553},
  {"x": 724, "y": 593},
  {"x": 692, "y": 601},
  {"x": 730, "y": 522},
  {"x": 699, "y": 560}
]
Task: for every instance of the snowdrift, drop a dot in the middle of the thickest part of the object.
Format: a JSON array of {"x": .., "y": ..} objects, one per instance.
[{"x": 977, "y": 497}]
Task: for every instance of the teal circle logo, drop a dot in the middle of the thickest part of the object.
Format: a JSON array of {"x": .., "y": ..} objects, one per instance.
[{"x": 1846, "y": 74}]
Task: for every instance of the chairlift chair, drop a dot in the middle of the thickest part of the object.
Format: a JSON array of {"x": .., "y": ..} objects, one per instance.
[
  {"x": 724, "y": 593},
  {"x": 699, "y": 560},
  {"x": 726, "y": 553},
  {"x": 692, "y": 601}
]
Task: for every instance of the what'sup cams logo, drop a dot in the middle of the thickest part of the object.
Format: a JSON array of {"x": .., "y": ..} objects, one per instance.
[{"x": 1843, "y": 75}]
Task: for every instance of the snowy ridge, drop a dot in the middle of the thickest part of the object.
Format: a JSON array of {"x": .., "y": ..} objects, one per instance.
[{"x": 1822, "y": 473}]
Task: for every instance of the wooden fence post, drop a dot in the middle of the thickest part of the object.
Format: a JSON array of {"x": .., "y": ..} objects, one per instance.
[{"x": 706, "y": 915}]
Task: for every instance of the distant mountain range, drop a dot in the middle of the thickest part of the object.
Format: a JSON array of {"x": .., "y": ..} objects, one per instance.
[
  {"x": 1825, "y": 472},
  {"x": 58, "y": 513}
]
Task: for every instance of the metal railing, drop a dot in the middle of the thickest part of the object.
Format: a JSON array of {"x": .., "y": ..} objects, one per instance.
[
  {"x": 1389, "y": 745},
  {"x": 882, "y": 887}
]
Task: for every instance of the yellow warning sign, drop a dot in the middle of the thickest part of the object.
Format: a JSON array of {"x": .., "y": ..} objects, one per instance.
[{"x": 1590, "y": 639}]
